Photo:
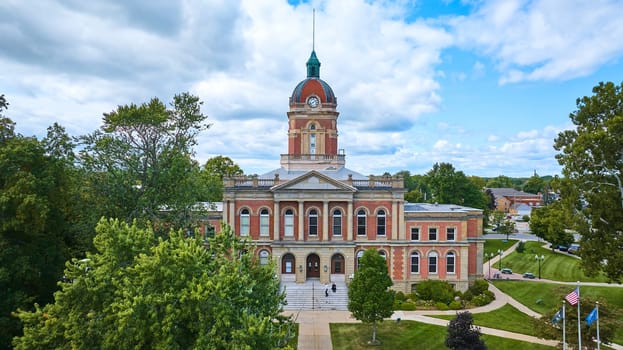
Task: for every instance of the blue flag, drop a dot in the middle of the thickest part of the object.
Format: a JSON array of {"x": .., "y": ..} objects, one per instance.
[
  {"x": 592, "y": 317},
  {"x": 557, "y": 317}
]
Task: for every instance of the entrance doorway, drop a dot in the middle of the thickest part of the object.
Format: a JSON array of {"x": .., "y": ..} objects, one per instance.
[
  {"x": 313, "y": 266},
  {"x": 337, "y": 264}
]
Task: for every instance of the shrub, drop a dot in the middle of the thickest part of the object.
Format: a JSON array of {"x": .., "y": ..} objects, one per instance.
[
  {"x": 455, "y": 305},
  {"x": 435, "y": 290},
  {"x": 412, "y": 296},
  {"x": 400, "y": 296},
  {"x": 478, "y": 287},
  {"x": 407, "y": 306},
  {"x": 468, "y": 295},
  {"x": 441, "y": 306},
  {"x": 521, "y": 247}
]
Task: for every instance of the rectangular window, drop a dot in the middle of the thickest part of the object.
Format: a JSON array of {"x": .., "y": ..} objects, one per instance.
[
  {"x": 288, "y": 229},
  {"x": 415, "y": 233},
  {"x": 244, "y": 225},
  {"x": 361, "y": 225},
  {"x": 450, "y": 264},
  {"x": 313, "y": 225},
  {"x": 415, "y": 263},
  {"x": 264, "y": 221},
  {"x": 380, "y": 225},
  {"x": 432, "y": 234},
  {"x": 450, "y": 234},
  {"x": 432, "y": 264},
  {"x": 337, "y": 225},
  {"x": 209, "y": 231}
]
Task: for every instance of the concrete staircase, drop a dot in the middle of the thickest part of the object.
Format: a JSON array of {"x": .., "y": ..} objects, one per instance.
[{"x": 311, "y": 296}]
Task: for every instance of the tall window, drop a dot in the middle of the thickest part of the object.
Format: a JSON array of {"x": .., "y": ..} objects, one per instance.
[
  {"x": 450, "y": 234},
  {"x": 359, "y": 255},
  {"x": 415, "y": 262},
  {"x": 450, "y": 262},
  {"x": 415, "y": 233},
  {"x": 264, "y": 257},
  {"x": 264, "y": 222},
  {"x": 312, "y": 143},
  {"x": 313, "y": 222},
  {"x": 210, "y": 231},
  {"x": 288, "y": 223},
  {"x": 432, "y": 262},
  {"x": 337, "y": 222},
  {"x": 432, "y": 234},
  {"x": 244, "y": 222},
  {"x": 380, "y": 223},
  {"x": 361, "y": 222}
]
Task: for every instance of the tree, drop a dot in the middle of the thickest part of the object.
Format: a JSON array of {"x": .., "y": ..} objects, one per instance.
[
  {"x": 369, "y": 298},
  {"x": 534, "y": 184},
  {"x": 212, "y": 174},
  {"x": 37, "y": 235},
  {"x": 550, "y": 222},
  {"x": 592, "y": 160},
  {"x": 137, "y": 291},
  {"x": 463, "y": 335},
  {"x": 453, "y": 187},
  {"x": 500, "y": 182},
  {"x": 507, "y": 227},
  {"x": 140, "y": 165}
]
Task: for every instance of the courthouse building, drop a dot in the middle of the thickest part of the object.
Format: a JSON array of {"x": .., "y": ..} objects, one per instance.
[{"x": 315, "y": 217}]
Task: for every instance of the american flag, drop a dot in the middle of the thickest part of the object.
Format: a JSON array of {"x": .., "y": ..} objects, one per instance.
[{"x": 573, "y": 297}]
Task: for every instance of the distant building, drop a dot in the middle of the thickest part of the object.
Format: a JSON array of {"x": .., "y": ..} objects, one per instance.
[
  {"x": 316, "y": 217},
  {"x": 509, "y": 200}
]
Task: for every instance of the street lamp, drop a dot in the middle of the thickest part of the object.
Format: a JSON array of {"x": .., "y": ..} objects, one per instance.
[
  {"x": 539, "y": 259},
  {"x": 500, "y": 254},
  {"x": 489, "y": 256}
]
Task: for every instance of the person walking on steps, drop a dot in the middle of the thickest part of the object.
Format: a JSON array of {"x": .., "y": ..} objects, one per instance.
[{"x": 334, "y": 288}]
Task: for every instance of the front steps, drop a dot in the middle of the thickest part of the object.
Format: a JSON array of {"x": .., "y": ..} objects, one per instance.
[{"x": 311, "y": 296}]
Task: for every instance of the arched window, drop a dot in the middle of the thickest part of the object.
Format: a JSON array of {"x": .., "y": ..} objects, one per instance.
[
  {"x": 432, "y": 262},
  {"x": 380, "y": 223},
  {"x": 264, "y": 222},
  {"x": 415, "y": 262},
  {"x": 337, "y": 222},
  {"x": 361, "y": 222},
  {"x": 288, "y": 223},
  {"x": 264, "y": 254},
  {"x": 383, "y": 254},
  {"x": 287, "y": 264},
  {"x": 244, "y": 222},
  {"x": 313, "y": 222},
  {"x": 450, "y": 262}
]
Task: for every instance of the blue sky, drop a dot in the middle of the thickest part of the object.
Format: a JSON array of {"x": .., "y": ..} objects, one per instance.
[{"x": 484, "y": 85}]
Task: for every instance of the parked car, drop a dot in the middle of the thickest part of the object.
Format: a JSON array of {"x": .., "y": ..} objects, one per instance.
[
  {"x": 563, "y": 248},
  {"x": 529, "y": 275},
  {"x": 573, "y": 248},
  {"x": 506, "y": 271}
]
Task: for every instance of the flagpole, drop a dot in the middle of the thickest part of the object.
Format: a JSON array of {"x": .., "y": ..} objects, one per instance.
[
  {"x": 564, "y": 339},
  {"x": 598, "y": 341},
  {"x": 579, "y": 320}
]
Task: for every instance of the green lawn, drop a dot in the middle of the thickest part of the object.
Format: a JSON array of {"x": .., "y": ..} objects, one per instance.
[
  {"x": 506, "y": 318},
  {"x": 410, "y": 335},
  {"x": 493, "y": 245},
  {"x": 555, "y": 266}
]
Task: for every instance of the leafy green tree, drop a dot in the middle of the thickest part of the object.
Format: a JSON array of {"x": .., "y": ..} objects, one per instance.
[
  {"x": 534, "y": 184},
  {"x": 369, "y": 298},
  {"x": 453, "y": 187},
  {"x": 463, "y": 335},
  {"x": 592, "y": 160},
  {"x": 139, "y": 163},
  {"x": 212, "y": 174},
  {"x": 36, "y": 236},
  {"x": 498, "y": 217},
  {"x": 137, "y": 291},
  {"x": 500, "y": 182},
  {"x": 507, "y": 227},
  {"x": 549, "y": 223}
]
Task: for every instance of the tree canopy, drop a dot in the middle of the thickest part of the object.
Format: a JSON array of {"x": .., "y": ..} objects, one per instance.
[
  {"x": 212, "y": 174},
  {"x": 139, "y": 291},
  {"x": 592, "y": 160},
  {"x": 369, "y": 298}
]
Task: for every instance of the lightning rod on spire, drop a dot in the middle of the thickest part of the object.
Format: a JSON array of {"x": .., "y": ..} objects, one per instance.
[{"x": 313, "y": 29}]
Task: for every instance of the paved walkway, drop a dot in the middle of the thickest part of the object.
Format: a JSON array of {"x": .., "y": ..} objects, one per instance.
[{"x": 314, "y": 332}]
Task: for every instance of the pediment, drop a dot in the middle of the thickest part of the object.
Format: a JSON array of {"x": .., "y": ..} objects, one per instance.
[{"x": 313, "y": 181}]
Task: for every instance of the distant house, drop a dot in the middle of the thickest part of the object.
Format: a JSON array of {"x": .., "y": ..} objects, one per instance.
[
  {"x": 508, "y": 199},
  {"x": 520, "y": 209}
]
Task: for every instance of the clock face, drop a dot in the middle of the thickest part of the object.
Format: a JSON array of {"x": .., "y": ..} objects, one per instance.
[{"x": 313, "y": 101}]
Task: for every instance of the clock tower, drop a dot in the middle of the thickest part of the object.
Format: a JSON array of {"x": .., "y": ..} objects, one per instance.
[{"x": 312, "y": 124}]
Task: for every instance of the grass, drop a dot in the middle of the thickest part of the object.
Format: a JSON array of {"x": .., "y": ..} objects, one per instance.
[
  {"x": 555, "y": 266},
  {"x": 550, "y": 296},
  {"x": 493, "y": 245},
  {"x": 506, "y": 318},
  {"x": 410, "y": 335}
]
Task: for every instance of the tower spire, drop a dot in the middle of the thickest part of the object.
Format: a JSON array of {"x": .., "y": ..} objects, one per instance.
[{"x": 313, "y": 64}]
